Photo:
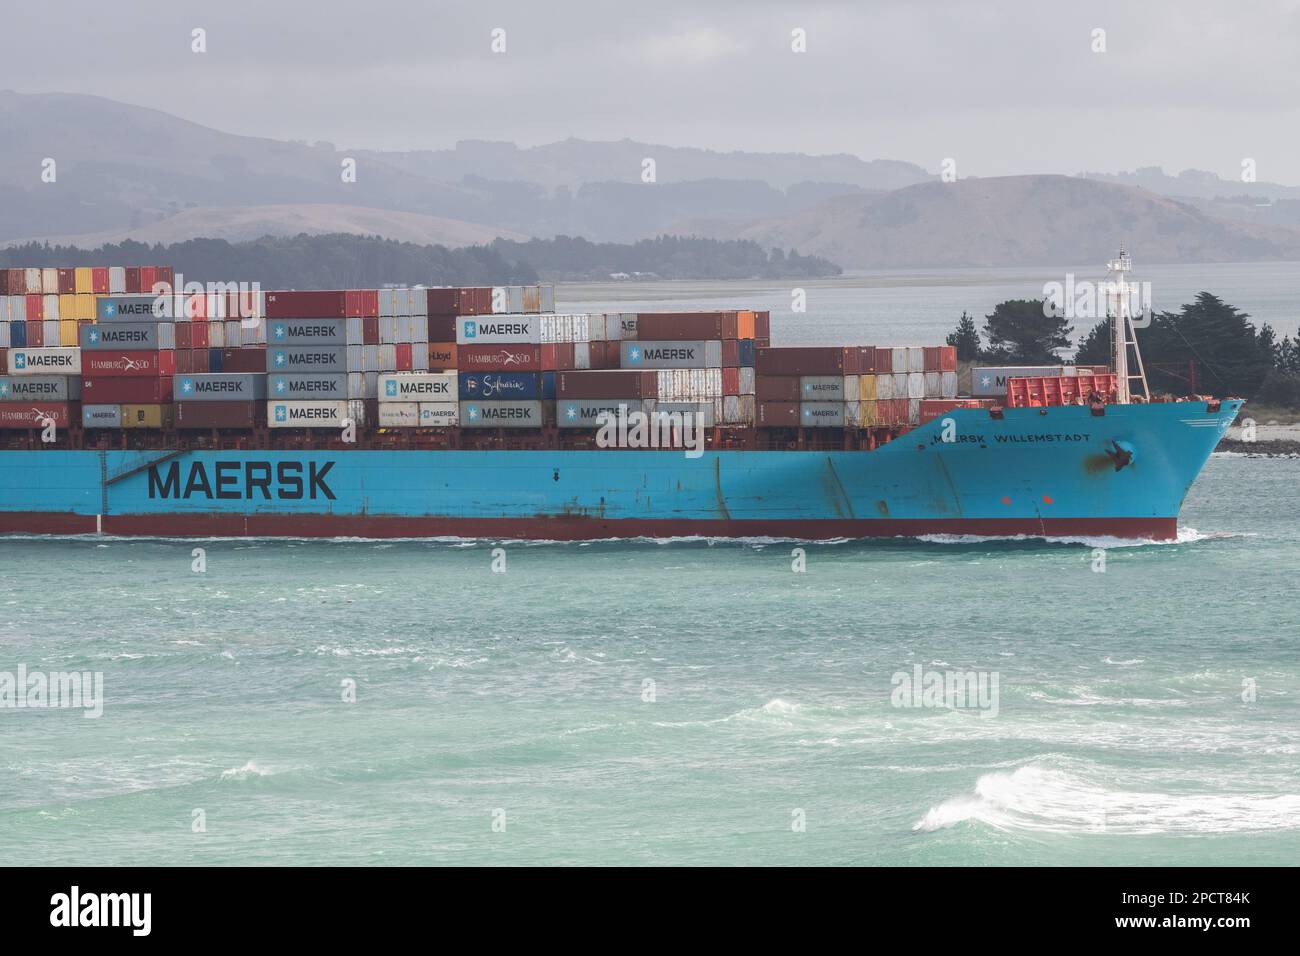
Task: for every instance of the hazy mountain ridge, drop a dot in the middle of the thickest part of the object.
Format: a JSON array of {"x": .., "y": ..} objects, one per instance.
[{"x": 1031, "y": 220}]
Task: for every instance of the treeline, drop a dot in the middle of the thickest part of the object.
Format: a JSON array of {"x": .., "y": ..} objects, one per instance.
[
  {"x": 351, "y": 261},
  {"x": 1208, "y": 346},
  {"x": 668, "y": 257}
]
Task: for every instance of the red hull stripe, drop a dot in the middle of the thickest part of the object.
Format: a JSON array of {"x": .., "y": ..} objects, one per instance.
[{"x": 566, "y": 528}]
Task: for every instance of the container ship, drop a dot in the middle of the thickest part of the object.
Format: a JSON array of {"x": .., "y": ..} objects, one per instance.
[{"x": 129, "y": 409}]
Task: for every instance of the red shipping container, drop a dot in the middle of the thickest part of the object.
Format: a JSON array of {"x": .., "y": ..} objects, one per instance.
[
  {"x": 866, "y": 359},
  {"x": 932, "y": 408},
  {"x": 35, "y": 310},
  {"x": 442, "y": 356},
  {"x": 778, "y": 415},
  {"x": 776, "y": 388},
  {"x": 816, "y": 360},
  {"x": 167, "y": 276},
  {"x": 402, "y": 351},
  {"x": 556, "y": 357},
  {"x": 219, "y": 414},
  {"x": 370, "y": 331},
  {"x": 370, "y": 303},
  {"x": 352, "y": 305},
  {"x": 500, "y": 358},
  {"x": 35, "y": 335},
  {"x": 474, "y": 301},
  {"x": 116, "y": 390},
  {"x": 931, "y": 361},
  {"x": 199, "y": 334},
  {"x": 608, "y": 384},
  {"x": 763, "y": 326},
  {"x": 686, "y": 326},
  {"x": 730, "y": 380},
  {"x": 947, "y": 358},
  {"x": 884, "y": 359},
  {"x": 33, "y": 414},
  {"x": 184, "y": 336},
  {"x": 442, "y": 327},
  {"x": 133, "y": 279},
  {"x": 184, "y": 360},
  {"x": 6, "y": 281},
  {"x": 67, "y": 281},
  {"x": 730, "y": 353},
  {"x": 148, "y": 276},
  {"x": 307, "y": 305},
  {"x": 136, "y": 364},
  {"x": 442, "y": 301},
  {"x": 244, "y": 360},
  {"x": 99, "y": 280}
]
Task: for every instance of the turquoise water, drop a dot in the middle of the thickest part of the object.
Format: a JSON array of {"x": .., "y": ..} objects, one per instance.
[{"x": 1120, "y": 736}]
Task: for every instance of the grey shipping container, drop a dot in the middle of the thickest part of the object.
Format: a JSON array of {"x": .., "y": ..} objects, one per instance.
[
  {"x": 40, "y": 388},
  {"x": 500, "y": 414},
  {"x": 310, "y": 387},
  {"x": 143, "y": 336},
  {"x": 101, "y": 416},
  {"x": 219, "y": 387},
  {"x": 303, "y": 358},
  {"x": 703, "y": 354}
]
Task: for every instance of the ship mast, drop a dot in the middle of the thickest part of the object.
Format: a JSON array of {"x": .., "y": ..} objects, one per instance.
[{"x": 1123, "y": 333}]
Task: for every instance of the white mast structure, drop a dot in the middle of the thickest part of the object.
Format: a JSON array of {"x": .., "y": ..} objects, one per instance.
[{"x": 1123, "y": 333}]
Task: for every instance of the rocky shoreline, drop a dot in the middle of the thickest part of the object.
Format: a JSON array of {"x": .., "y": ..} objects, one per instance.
[{"x": 1281, "y": 448}]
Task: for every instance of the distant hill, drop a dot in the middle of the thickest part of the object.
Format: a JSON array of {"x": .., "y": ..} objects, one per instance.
[
  {"x": 1011, "y": 220},
  {"x": 237, "y": 223},
  {"x": 121, "y": 168}
]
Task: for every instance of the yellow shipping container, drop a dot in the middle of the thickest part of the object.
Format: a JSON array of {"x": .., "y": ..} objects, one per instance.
[
  {"x": 67, "y": 332},
  {"x": 868, "y": 412},
  {"x": 85, "y": 305},
  {"x": 67, "y": 306},
  {"x": 84, "y": 277},
  {"x": 147, "y": 416},
  {"x": 867, "y": 388}
]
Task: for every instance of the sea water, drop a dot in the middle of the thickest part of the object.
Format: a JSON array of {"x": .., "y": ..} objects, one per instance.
[{"x": 685, "y": 702}]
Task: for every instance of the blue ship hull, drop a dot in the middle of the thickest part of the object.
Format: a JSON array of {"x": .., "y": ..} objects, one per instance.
[{"x": 1054, "y": 471}]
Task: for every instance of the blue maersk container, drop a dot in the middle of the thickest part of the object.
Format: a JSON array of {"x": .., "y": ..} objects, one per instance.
[{"x": 502, "y": 386}]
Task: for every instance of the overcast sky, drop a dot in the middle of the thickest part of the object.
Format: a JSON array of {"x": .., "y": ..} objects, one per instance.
[{"x": 1002, "y": 86}]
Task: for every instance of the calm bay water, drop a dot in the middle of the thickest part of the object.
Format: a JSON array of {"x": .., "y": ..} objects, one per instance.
[
  {"x": 678, "y": 702},
  {"x": 1121, "y": 736},
  {"x": 922, "y": 306}
]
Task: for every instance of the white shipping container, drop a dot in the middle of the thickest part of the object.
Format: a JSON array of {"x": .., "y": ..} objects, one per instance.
[
  {"x": 387, "y": 302},
  {"x": 516, "y": 414},
  {"x": 308, "y": 414},
  {"x": 596, "y": 327},
  {"x": 582, "y": 355},
  {"x": 49, "y": 282},
  {"x": 898, "y": 359},
  {"x": 418, "y": 387},
  {"x": 947, "y": 384},
  {"x": 217, "y": 335},
  {"x": 915, "y": 359},
  {"x": 116, "y": 280},
  {"x": 399, "y": 414},
  {"x": 498, "y": 330},
  {"x": 32, "y": 278},
  {"x": 658, "y": 355},
  {"x": 419, "y": 302},
  {"x": 915, "y": 385},
  {"x": 738, "y": 410},
  {"x": 386, "y": 355},
  {"x": 372, "y": 384},
  {"x": 703, "y": 414},
  {"x": 914, "y": 411},
  {"x": 4, "y": 335},
  {"x": 420, "y": 357},
  {"x": 884, "y": 387},
  {"x": 933, "y": 385},
  {"x": 51, "y": 308},
  {"x": 853, "y": 414},
  {"x": 746, "y": 380},
  {"x": 439, "y": 414},
  {"x": 900, "y": 384},
  {"x": 50, "y": 361},
  {"x": 17, "y": 308}
]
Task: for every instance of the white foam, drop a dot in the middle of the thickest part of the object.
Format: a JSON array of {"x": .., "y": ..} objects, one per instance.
[
  {"x": 250, "y": 769},
  {"x": 1044, "y": 799}
]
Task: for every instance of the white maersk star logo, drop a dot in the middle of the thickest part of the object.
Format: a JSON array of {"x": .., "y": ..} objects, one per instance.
[
  {"x": 571, "y": 413},
  {"x": 93, "y": 336},
  {"x": 472, "y": 413},
  {"x": 281, "y": 413},
  {"x": 4, "y": 389},
  {"x": 20, "y": 360},
  {"x": 986, "y": 381},
  {"x": 471, "y": 329},
  {"x": 187, "y": 386},
  {"x": 110, "y": 310},
  {"x": 280, "y": 330},
  {"x": 634, "y": 355},
  {"x": 281, "y": 387},
  {"x": 280, "y": 360},
  {"x": 390, "y": 388}
]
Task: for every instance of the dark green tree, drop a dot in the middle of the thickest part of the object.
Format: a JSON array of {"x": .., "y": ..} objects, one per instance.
[
  {"x": 1095, "y": 347},
  {"x": 966, "y": 339},
  {"x": 1020, "y": 331}
]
